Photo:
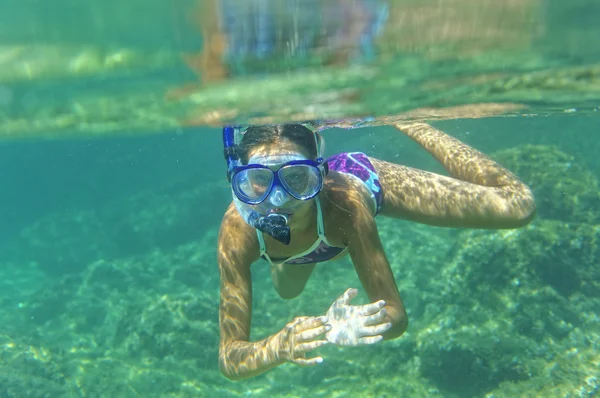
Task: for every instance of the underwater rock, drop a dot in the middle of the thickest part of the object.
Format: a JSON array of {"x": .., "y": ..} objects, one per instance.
[
  {"x": 129, "y": 320},
  {"x": 545, "y": 253},
  {"x": 506, "y": 298},
  {"x": 465, "y": 361},
  {"x": 68, "y": 242},
  {"x": 569, "y": 372},
  {"x": 29, "y": 371},
  {"x": 563, "y": 189},
  {"x": 64, "y": 243}
]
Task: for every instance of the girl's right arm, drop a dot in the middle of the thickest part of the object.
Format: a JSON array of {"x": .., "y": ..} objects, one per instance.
[{"x": 238, "y": 357}]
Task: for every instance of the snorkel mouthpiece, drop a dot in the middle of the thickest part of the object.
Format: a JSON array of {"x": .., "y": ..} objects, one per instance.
[{"x": 274, "y": 225}]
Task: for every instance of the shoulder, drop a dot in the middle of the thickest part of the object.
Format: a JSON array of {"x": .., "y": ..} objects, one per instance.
[
  {"x": 346, "y": 193},
  {"x": 237, "y": 240},
  {"x": 347, "y": 206}
]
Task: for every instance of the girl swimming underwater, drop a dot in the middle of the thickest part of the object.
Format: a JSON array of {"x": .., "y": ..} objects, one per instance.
[{"x": 294, "y": 209}]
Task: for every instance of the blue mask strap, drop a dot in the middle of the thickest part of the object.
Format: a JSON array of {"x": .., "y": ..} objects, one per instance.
[
  {"x": 317, "y": 144},
  {"x": 229, "y": 150}
]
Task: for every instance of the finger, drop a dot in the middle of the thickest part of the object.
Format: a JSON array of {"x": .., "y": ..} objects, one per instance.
[
  {"x": 370, "y": 340},
  {"x": 311, "y": 334},
  {"x": 348, "y": 295},
  {"x": 370, "y": 309},
  {"x": 308, "y": 361},
  {"x": 375, "y": 330},
  {"x": 300, "y": 319},
  {"x": 377, "y": 318},
  {"x": 313, "y": 345}
]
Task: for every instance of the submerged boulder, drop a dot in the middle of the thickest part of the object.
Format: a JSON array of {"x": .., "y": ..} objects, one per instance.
[
  {"x": 563, "y": 189},
  {"x": 506, "y": 298},
  {"x": 68, "y": 242},
  {"x": 132, "y": 321}
]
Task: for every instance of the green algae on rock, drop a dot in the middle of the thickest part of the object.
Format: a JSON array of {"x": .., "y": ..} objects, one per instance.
[
  {"x": 68, "y": 242},
  {"x": 515, "y": 296},
  {"x": 563, "y": 189}
]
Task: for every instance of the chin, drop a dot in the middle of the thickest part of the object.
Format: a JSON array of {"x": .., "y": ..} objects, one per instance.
[{"x": 303, "y": 210}]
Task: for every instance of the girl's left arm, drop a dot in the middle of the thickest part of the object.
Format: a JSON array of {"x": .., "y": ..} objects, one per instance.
[{"x": 373, "y": 268}]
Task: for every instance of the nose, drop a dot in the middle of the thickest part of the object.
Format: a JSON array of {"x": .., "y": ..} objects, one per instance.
[{"x": 278, "y": 197}]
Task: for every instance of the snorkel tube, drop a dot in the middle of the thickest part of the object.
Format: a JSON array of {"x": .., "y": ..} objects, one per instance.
[
  {"x": 229, "y": 151},
  {"x": 272, "y": 224}
]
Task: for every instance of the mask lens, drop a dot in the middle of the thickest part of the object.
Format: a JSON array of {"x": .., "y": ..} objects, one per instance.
[
  {"x": 252, "y": 184},
  {"x": 301, "y": 181}
]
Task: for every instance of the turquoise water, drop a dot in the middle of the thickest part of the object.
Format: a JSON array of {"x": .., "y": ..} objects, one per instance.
[{"x": 113, "y": 186}]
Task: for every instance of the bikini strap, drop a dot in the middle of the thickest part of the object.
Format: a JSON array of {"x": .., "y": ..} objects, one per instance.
[
  {"x": 263, "y": 247},
  {"x": 320, "y": 225}
]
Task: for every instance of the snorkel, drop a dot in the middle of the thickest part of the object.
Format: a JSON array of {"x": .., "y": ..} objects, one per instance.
[{"x": 273, "y": 224}]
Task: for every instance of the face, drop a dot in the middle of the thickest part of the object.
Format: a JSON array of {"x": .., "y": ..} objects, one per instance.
[{"x": 274, "y": 156}]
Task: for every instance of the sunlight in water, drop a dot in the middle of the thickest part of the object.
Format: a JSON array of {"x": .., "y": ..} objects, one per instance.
[{"x": 467, "y": 127}]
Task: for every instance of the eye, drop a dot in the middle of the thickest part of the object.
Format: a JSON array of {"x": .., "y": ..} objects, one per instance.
[
  {"x": 297, "y": 177},
  {"x": 260, "y": 176},
  {"x": 297, "y": 174}
]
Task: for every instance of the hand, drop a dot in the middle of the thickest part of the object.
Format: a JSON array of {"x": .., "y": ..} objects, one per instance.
[
  {"x": 353, "y": 325},
  {"x": 304, "y": 334}
]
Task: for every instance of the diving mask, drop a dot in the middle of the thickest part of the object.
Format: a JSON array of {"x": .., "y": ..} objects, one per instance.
[{"x": 297, "y": 177}]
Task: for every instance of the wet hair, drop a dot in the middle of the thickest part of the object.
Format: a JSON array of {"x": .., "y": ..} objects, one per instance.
[{"x": 269, "y": 135}]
